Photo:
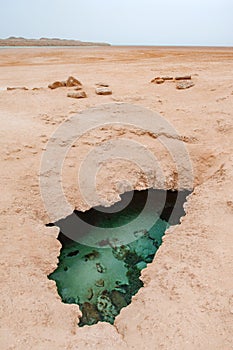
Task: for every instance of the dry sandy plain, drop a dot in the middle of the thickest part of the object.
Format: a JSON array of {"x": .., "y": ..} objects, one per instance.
[{"x": 187, "y": 298}]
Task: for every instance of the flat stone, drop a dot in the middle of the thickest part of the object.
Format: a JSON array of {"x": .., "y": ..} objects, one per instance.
[
  {"x": 17, "y": 88},
  {"x": 158, "y": 80},
  {"x": 184, "y": 85},
  {"x": 102, "y": 85},
  {"x": 167, "y": 78},
  {"x": 184, "y": 77},
  {"x": 103, "y": 91},
  {"x": 79, "y": 94},
  {"x": 70, "y": 82}
]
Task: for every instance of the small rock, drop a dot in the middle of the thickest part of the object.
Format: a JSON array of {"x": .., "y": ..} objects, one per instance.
[
  {"x": 106, "y": 308},
  {"x": 184, "y": 85},
  {"x": 57, "y": 84},
  {"x": 90, "y": 293},
  {"x": 73, "y": 253},
  {"x": 167, "y": 78},
  {"x": 100, "y": 268},
  {"x": 141, "y": 265},
  {"x": 103, "y": 91},
  {"x": 17, "y": 88},
  {"x": 99, "y": 283},
  {"x": 90, "y": 314},
  {"x": 118, "y": 299},
  {"x": 185, "y": 77},
  {"x": 120, "y": 252},
  {"x": 92, "y": 255},
  {"x": 80, "y": 94},
  {"x": 158, "y": 80},
  {"x": 78, "y": 88},
  {"x": 102, "y": 85},
  {"x": 71, "y": 81}
]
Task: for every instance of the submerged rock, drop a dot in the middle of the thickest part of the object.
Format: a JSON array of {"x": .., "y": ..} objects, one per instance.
[
  {"x": 100, "y": 268},
  {"x": 143, "y": 247},
  {"x": 99, "y": 283},
  {"x": 90, "y": 293},
  {"x": 141, "y": 265},
  {"x": 90, "y": 314},
  {"x": 118, "y": 299},
  {"x": 91, "y": 256},
  {"x": 120, "y": 252},
  {"x": 106, "y": 308}
]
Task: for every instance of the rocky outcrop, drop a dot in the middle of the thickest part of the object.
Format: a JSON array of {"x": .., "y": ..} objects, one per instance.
[
  {"x": 57, "y": 84},
  {"x": 70, "y": 82},
  {"x": 14, "y": 41}
]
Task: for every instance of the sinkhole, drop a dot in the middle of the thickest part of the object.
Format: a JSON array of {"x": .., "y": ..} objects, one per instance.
[{"x": 105, "y": 249}]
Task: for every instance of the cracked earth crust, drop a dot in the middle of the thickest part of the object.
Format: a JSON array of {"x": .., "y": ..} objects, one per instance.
[{"x": 187, "y": 298}]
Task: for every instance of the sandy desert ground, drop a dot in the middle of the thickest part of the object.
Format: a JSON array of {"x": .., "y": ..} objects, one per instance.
[{"x": 187, "y": 298}]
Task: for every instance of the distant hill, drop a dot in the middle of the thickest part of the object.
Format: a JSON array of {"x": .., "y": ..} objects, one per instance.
[{"x": 14, "y": 41}]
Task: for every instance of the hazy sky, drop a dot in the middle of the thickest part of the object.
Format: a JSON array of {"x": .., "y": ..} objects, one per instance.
[{"x": 148, "y": 22}]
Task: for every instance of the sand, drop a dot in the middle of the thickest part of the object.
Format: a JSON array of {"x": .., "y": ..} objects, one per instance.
[{"x": 187, "y": 298}]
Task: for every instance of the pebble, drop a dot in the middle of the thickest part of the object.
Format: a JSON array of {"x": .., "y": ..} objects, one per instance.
[
  {"x": 185, "y": 77},
  {"x": 184, "y": 85},
  {"x": 99, "y": 283},
  {"x": 158, "y": 80},
  {"x": 80, "y": 94},
  {"x": 103, "y": 91},
  {"x": 102, "y": 85},
  {"x": 17, "y": 88}
]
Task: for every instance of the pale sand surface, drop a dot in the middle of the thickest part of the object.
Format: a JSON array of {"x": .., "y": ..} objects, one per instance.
[{"x": 187, "y": 300}]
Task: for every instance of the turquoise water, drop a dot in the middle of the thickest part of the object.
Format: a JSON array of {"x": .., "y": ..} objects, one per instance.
[{"x": 101, "y": 272}]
